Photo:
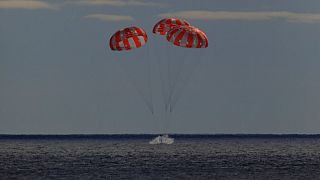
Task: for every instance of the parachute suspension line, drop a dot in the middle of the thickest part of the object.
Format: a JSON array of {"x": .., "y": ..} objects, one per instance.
[
  {"x": 170, "y": 87},
  {"x": 150, "y": 87},
  {"x": 159, "y": 64},
  {"x": 171, "y": 70},
  {"x": 169, "y": 82},
  {"x": 176, "y": 79},
  {"x": 166, "y": 123},
  {"x": 163, "y": 63},
  {"x": 162, "y": 66},
  {"x": 149, "y": 81},
  {"x": 161, "y": 74},
  {"x": 133, "y": 82},
  {"x": 192, "y": 66}
]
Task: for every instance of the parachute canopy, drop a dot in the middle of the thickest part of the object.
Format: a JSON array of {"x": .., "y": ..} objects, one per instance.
[
  {"x": 165, "y": 25},
  {"x": 128, "y": 38},
  {"x": 188, "y": 37}
]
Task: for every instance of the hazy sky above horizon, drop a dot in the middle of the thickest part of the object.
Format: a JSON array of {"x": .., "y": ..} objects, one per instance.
[{"x": 260, "y": 72}]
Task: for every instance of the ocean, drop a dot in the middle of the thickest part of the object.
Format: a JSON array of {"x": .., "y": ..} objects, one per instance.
[{"x": 131, "y": 157}]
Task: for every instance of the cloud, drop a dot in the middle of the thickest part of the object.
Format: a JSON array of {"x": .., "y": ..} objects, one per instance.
[
  {"x": 116, "y": 3},
  {"x": 246, "y": 16},
  {"x": 24, "y": 4},
  {"x": 109, "y": 17}
]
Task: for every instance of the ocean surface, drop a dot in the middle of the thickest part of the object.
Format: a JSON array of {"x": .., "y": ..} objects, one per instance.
[{"x": 131, "y": 157}]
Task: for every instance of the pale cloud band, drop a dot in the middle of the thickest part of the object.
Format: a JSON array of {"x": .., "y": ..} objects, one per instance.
[
  {"x": 109, "y": 17},
  {"x": 38, "y": 4},
  {"x": 246, "y": 16},
  {"x": 25, "y": 4},
  {"x": 115, "y": 3}
]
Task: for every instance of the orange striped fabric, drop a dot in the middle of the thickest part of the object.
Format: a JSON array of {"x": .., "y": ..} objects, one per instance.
[
  {"x": 165, "y": 25},
  {"x": 128, "y": 38},
  {"x": 188, "y": 37}
]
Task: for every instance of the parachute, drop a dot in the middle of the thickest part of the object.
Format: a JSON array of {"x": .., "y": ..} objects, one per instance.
[
  {"x": 128, "y": 38},
  {"x": 165, "y": 25},
  {"x": 188, "y": 37}
]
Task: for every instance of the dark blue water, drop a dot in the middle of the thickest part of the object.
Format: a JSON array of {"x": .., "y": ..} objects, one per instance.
[{"x": 131, "y": 157}]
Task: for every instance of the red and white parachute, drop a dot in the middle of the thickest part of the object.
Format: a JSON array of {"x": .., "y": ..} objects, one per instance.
[
  {"x": 188, "y": 36},
  {"x": 165, "y": 25},
  {"x": 128, "y": 38}
]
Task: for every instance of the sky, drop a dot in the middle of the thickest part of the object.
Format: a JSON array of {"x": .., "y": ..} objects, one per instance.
[{"x": 260, "y": 73}]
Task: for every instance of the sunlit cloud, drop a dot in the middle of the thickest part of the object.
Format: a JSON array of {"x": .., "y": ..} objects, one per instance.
[
  {"x": 245, "y": 16},
  {"x": 25, "y": 4},
  {"x": 116, "y": 3},
  {"x": 109, "y": 17}
]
